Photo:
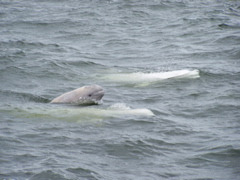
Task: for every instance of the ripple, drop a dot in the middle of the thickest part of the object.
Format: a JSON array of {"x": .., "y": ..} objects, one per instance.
[
  {"x": 25, "y": 97},
  {"x": 84, "y": 173},
  {"x": 49, "y": 174}
]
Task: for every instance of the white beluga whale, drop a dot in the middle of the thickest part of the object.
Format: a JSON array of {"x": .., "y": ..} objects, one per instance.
[
  {"x": 145, "y": 79},
  {"x": 91, "y": 94},
  {"x": 90, "y": 112},
  {"x": 86, "y": 95},
  {"x": 81, "y": 114}
]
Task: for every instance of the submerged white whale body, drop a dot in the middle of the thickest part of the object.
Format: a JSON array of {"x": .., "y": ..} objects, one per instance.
[
  {"x": 81, "y": 114},
  {"x": 91, "y": 94},
  {"x": 144, "y": 79},
  {"x": 116, "y": 110}
]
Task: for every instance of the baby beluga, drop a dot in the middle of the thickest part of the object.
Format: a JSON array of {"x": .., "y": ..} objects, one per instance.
[{"x": 91, "y": 94}]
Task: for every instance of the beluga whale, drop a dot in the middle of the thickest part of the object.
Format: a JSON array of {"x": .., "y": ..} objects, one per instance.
[
  {"x": 85, "y": 95},
  {"x": 141, "y": 79}
]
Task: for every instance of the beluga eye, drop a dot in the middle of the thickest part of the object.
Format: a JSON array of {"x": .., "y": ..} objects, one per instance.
[{"x": 90, "y": 95}]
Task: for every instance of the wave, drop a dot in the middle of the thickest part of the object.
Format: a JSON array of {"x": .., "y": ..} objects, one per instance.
[
  {"x": 231, "y": 40},
  {"x": 49, "y": 174},
  {"x": 23, "y": 97},
  {"x": 216, "y": 155},
  {"x": 27, "y": 44},
  {"x": 230, "y": 26}
]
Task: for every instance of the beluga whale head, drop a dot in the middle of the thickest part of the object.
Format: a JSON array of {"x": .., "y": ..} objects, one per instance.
[{"x": 85, "y": 95}]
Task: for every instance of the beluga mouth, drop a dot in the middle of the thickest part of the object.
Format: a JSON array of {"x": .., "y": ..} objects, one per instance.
[{"x": 85, "y": 95}]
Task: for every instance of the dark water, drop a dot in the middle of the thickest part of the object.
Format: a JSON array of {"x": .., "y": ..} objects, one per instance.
[{"x": 50, "y": 47}]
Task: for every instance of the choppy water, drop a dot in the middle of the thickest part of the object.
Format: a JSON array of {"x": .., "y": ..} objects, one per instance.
[{"x": 51, "y": 47}]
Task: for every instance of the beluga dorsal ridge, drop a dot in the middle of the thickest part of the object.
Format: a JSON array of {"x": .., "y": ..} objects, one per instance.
[{"x": 91, "y": 94}]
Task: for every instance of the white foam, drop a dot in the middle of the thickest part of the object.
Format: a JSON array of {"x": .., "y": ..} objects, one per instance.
[{"x": 119, "y": 106}]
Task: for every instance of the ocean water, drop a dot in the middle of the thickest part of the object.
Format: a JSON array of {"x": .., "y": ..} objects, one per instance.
[{"x": 171, "y": 75}]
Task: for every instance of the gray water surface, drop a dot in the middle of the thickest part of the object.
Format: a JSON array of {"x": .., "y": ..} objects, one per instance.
[{"x": 50, "y": 47}]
